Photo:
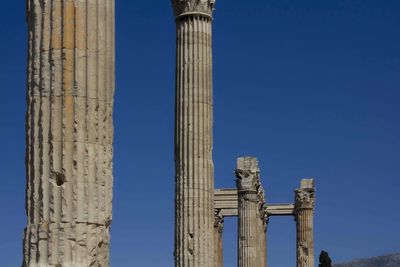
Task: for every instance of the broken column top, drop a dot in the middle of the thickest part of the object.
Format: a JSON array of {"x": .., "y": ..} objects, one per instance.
[
  {"x": 247, "y": 163},
  {"x": 307, "y": 184},
  {"x": 190, "y": 7},
  {"x": 247, "y": 173},
  {"x": 305, "y": 195}
]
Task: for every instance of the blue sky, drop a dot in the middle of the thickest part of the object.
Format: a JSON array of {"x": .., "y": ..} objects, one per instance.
[{"x": 312, "y": 88}]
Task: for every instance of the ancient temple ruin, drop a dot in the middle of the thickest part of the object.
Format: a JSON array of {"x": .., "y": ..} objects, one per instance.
[
  {"x": 248, "y": 203},
  {"x": 199, "y": 208},
  {"x": 69, "y": 133},
  {"x": 69, "y": 130}
]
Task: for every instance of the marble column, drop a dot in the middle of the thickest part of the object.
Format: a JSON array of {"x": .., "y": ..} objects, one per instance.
[
  {"x": 69, "y": 132},
  {"x": 304, "y": 215},
  {"x": 194, "y": 201},
  {"x": 248, "y": 218},
  {"x": 218, "y": 244},
  {"x": 262, "y": 227}
]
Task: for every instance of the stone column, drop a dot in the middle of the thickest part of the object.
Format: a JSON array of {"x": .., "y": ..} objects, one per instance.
[
  {"x": 304, "y": 215},
  {"x": 218, "y": 247},
  {"x": 248, "y": 219},
  {"x": 262, "y": 227},
  {"x": 265, "y": 241},
  {"x": 194, "y": 201},
  {"x": 69, "y": 132}
]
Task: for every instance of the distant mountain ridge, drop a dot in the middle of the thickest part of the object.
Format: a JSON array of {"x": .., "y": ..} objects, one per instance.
[{"x": 391, "y": 260}]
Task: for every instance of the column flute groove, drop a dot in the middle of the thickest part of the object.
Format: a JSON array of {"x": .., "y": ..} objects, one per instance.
[
  {"x": 194, "y": 208},
  {"x": 69, "y": 132},
  {"x": 304, "y": 213},
  {"x": 250, "y": 205}
]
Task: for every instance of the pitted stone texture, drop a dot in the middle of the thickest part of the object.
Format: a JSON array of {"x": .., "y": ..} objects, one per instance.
[
  {"x": 193, "y": 6},
  {"x": 69, "y": 129}
]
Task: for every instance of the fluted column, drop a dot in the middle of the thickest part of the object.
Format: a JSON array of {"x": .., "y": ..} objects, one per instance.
[
  {"x": 194, "y": 203},
  {"x": 218, "y": 244},
  {"x": 304, "y": 214},
  {"x": 69, "y": 132},
  {"x": 248, "y": 218}
]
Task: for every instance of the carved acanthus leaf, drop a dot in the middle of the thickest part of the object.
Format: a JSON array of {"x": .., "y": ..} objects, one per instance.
[
  {"x": 247, "y": 174},
  {"x": 246, "y": 180},
  {"x": 193, "y": 6},
  {"x": 305, "y": 198}
]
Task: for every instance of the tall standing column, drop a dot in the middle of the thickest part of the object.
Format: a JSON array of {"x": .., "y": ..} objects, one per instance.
[
  {"x": 304, "y": 214},
  {"x": 248, "y": 218},
  {"x": 194, "y": 201},
  {"x": 69, "y": 130}
]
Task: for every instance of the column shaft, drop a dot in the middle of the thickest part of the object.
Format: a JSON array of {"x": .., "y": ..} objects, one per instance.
[
  {"x": 261, "y": 215},
  {"x": 218, "y": 242},
  {"x": 304, "y": 212},
  {"x": 248, "y": 239},
  {"x": 194, "y": 203},
  {"x": 69, "y": 132},
  {"x": 251, "y": 214},
  {"x": 220, "y": 259},
  {"x": 265, "y": 243},
  {"x": 262, "y": 243},
  {"x": 305, "y": 240}
]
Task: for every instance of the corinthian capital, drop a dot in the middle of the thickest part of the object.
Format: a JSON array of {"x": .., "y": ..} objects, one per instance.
[
  {"x": 305, "y": 195},
  {"x": 182, "y": 7},
  {"x": 247, "y": 174}
]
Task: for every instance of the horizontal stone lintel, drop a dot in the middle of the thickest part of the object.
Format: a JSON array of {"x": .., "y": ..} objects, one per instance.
[{"x": 226, "y": 203}]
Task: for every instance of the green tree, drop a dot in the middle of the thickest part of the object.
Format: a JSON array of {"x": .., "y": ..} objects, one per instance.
[{"x": 324, "y": 259}]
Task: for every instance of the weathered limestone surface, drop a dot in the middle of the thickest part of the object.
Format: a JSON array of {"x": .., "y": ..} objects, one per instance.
[
  {"x": 194, "y": 202},
  {"x": 218, "y": 245},
  {"x": 262, "y": 226},
  {"x": 251, "y": 215},
  {"x": 69, "y": 132},
  {"x": 226, "y": 202},
  {"x": 304, "y": 214}
]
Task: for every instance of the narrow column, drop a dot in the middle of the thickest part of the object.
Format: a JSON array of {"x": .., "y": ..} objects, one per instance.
[
  {"x": 262, "y": 227},
  {"x": 304, "y": 214},
  {"x": 218, "y": 245},
  {"x": 248, "y": 220},
  {"x": 69, "y": 132},
  {"x": 194, "y": 200},
  {"x": 265, "y": 243}
]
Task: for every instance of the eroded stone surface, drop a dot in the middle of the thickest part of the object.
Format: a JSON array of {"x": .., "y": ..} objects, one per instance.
[
  {"x": 251, "y": 214},
  {"x": 218, "y": 244},
  {"x": 194, "y": 202},
  {"x": 69, "y": 132}
]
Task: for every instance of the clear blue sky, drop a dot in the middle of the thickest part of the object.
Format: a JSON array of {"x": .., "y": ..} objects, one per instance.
[{"x": 312, "y": 88}]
